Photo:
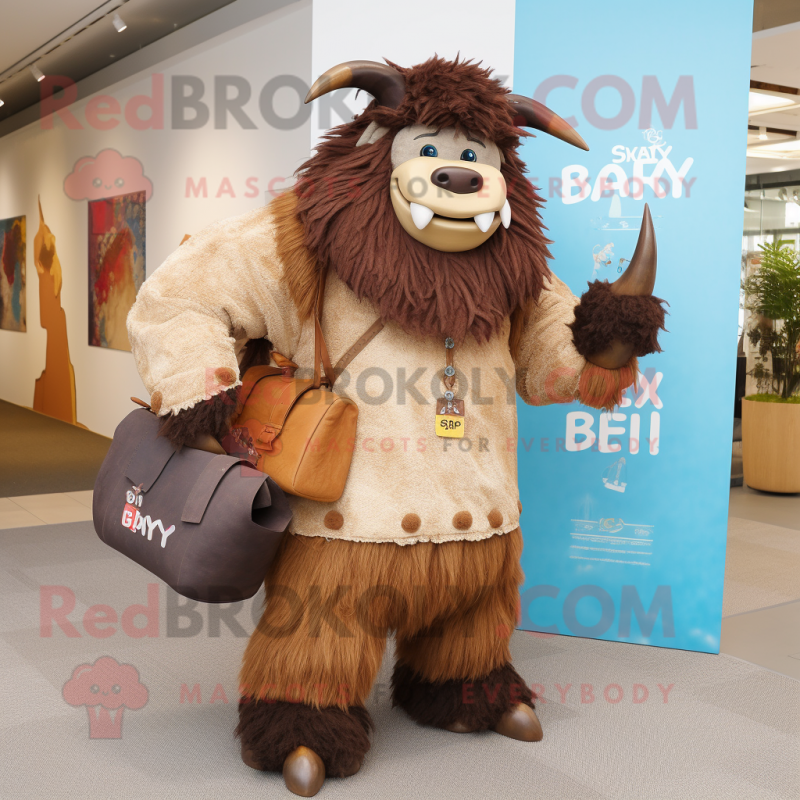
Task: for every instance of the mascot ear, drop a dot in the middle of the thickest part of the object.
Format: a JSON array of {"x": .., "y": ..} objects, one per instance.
[{"x": 372, "y": 134}]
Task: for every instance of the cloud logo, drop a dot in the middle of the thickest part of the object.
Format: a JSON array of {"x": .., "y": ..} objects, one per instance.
[
  {"x": 106, "y": 688},
  {"x": 108, "y": 174}
]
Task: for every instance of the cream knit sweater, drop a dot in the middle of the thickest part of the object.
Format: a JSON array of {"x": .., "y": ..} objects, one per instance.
[{"x": 224, "y": 286}]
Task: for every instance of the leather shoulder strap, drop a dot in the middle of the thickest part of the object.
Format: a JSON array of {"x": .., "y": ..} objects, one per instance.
[
  {"x": 320, "y": 301},
  {"x": 358, "y": 346},
  {"x": 321, "y": 354},
  {"x": 321, "y": 350}
]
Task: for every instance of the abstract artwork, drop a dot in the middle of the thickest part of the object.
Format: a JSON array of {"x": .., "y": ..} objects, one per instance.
[
  {"x": 12, "y": 274},
  {"x": 116, "y": 266},
  {"x": 54, "y": 392}
]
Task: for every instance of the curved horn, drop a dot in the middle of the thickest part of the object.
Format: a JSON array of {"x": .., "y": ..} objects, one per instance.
[
  {"x": 532, "y": 114},
  {"x": 640, "y": 276},
  {"x": 383, "y": 82}
]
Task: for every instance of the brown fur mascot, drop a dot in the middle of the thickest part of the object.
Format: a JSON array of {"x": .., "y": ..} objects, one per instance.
[{"x": 420, "y": 215}]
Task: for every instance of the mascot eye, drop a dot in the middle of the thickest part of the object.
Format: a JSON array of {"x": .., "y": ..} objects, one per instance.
[
  {"x": 97, "y": 182},
  {"x": 469, "y": 155},
  {"x": 120, "y": 182},
  {"x": 429, "y": 150}
]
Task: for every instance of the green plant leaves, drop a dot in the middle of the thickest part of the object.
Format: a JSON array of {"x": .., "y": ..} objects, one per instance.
[{"x": 774, "y": 292}]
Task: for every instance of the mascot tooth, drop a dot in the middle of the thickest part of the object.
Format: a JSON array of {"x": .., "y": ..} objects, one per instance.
[
  {"x": 412, "y": 230},
  {"x": 505, "y": 214},
  {"x": 484, "y": 221},
  {"x": 421, "y": 215}
]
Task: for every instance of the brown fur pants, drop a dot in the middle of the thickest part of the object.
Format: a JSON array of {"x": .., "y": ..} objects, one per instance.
[
  {"x": 321, "y": 639},
  {"x": 331, "y": 605}
]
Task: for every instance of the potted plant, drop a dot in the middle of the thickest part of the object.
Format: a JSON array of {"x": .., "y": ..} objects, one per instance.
[{"x": 771, "y": 418}]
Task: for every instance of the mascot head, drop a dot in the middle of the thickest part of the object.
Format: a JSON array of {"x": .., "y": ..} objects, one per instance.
[{"x": 420, "y": 204}]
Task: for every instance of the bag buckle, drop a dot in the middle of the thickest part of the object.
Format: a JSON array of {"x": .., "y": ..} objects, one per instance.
[
  {"x": 267, "y": 436},
  {"x": 287, "y": 366}
]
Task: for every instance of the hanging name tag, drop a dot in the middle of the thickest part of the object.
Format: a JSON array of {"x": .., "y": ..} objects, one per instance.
[{"x": 450, "y": 418}]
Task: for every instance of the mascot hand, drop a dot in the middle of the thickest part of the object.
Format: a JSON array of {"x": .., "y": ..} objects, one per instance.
[
  {"x": 618, "y": 321},
  {"x": 202, "y": 425}
]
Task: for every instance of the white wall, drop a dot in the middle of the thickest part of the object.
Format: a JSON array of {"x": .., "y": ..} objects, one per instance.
[
  {"x": 35, "y": 162},
  {"x": 409, "y": 33}
]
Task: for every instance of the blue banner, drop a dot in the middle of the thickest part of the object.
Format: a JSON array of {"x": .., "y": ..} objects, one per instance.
[{"x": 625, "y": 515}]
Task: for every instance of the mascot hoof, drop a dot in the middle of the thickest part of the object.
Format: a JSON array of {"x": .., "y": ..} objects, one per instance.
[
  {"x": 459, "y": 727},
  {"x": 249, "y": 760},
  {"x": 520, "y": 723},
  {"x": 303, "y": 772}
]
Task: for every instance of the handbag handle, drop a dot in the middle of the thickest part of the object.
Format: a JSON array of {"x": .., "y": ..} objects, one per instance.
[
  {"x": 320, "y": 348},
  {"x": 148, "y": 460}
]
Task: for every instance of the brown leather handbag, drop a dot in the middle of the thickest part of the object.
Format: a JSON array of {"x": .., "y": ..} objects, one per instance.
[
  {"x": 298, "y": 430},
  {"x": 208, "y": 525}
]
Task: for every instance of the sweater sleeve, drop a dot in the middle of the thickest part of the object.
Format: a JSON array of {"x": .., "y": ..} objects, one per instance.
[
  {"x": 225, "y": 283},
  {"x": 549, "y": 367}
]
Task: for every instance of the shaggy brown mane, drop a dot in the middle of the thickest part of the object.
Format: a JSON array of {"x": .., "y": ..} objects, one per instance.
[
  {"x": 300, "y": 270},
  {"x": 349, "y": 225}
]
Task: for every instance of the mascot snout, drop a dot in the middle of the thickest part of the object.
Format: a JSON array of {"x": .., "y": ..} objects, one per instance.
[{"x": 447, "y": 206}]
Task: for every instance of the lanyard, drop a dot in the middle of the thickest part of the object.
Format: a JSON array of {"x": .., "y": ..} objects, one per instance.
[{"x": 449, "y": 411}]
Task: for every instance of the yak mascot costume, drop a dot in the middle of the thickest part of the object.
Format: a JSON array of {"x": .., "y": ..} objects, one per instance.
[{"x": 419, "y": 214}]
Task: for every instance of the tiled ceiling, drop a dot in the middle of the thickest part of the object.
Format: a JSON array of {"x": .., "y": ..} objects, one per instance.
[
  {"x": 775, "y": 77},
  {"x": 775, "y": 13}
]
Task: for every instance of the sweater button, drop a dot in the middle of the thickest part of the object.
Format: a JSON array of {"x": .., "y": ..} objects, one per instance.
[
  {"x": 462, "y": 520},
  {"x": 333, "y": 520},
  {"x": 495, "y": 518},
  {"x": 411, "y": 523}
]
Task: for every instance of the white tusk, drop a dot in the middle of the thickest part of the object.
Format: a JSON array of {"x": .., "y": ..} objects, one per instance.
[
  {"x": 484, "y": 221},
  {"x": 421, "y": 215},
  {"x": 505, "y": 214}
]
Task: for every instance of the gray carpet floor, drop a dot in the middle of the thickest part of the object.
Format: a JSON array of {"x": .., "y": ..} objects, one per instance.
[
  {"x": 704, "y": 727},
  {"x": 40, "y": 454}
]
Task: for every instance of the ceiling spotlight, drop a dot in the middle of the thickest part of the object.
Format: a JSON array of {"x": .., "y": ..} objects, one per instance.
[
  {"x": 119, "y": 23},
  {"x": 2, "y": 102},
  {"x": 36, "y": 72},
  {"x": 762, "y": 133}
]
